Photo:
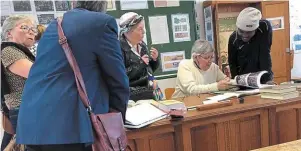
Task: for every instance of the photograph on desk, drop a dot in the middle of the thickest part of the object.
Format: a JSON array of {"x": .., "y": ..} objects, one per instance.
[{"x": 250, "y": 80}]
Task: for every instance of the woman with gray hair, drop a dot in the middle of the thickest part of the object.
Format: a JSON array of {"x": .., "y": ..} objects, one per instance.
[
  {"x": 140, "y": 64},
  {"x": 199, "y": 74},
  {"x": 18, "y": 33}
]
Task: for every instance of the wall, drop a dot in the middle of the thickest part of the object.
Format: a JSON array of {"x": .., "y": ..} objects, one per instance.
[
  {"x": 171, "y": 82},
  {"x": 296, "y": 71},
  {"x": 295, "y": 29}
]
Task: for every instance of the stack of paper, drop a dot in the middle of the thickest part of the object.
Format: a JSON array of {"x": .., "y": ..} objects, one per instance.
[{"x": 279, "y": 92}]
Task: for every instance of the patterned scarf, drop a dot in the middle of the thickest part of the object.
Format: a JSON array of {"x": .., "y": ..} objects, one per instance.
[{"x": 130, "y": 24}]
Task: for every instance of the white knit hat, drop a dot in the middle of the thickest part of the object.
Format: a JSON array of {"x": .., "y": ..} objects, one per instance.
[
  {"x": 248, "y": 19},
  {"x": 126, "y": 17}
]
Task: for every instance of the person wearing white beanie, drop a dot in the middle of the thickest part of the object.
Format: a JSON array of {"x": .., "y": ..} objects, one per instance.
[
  {"x": 248, "y": 19},
  {"x": 139, "y": 62},
  {"x": 249, "y": 46}
]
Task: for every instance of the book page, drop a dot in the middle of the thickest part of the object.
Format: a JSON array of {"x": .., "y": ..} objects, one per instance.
[
  {"x": 251, "y": 80},
  {"x": 218, "y": 98},
  {"x": 242, "y": 79},
  {"x": 254, "y": 79}
]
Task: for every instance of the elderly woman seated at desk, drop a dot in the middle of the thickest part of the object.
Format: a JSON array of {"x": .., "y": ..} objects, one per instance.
[{"x": 199, "y": 74}]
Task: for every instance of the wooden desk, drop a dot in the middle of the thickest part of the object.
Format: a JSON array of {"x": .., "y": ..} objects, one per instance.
[
  {"x": 255, "y": 124},
  {"x": 290, "y": 146}
]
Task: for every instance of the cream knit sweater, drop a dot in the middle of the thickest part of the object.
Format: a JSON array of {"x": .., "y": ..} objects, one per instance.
[{"x": 193, "y": 81}]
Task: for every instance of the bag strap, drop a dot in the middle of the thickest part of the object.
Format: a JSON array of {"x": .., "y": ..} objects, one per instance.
[{"x": 72, "y": 61}]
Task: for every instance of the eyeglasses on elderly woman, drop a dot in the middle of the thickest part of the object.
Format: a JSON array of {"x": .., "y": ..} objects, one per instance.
[
  {"x": 208, "y": 56},
  {"x": 27, "y": 29}
]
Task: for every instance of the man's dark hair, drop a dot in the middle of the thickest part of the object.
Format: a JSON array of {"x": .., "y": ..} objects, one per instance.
[{"x": 94, "y": 5}]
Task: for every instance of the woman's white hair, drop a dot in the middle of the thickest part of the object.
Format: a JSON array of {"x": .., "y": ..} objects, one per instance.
[
  {"x": 201, "y": 47},
  {"x": 11, "y": 22}
]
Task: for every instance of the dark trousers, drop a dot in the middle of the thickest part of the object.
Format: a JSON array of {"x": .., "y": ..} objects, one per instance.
[
  {"x": 13, "y": 117},
  {"x": 5, "y": 140},
  {"x": 63, "y": 147},
  {"x": 6, "y": 137}
]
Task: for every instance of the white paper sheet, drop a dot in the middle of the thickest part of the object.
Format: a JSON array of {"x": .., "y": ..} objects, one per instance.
[
  {"x": 180, "y": 27},
  {"x": 158, "y": 29},
  {"x": 133, "y": 4},
  {"x": 5, "y": 8},
  {"x": 295, "y": 36}
]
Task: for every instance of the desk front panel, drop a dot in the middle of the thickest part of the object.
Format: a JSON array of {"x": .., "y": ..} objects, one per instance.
[{"x": 233, "y": 132}]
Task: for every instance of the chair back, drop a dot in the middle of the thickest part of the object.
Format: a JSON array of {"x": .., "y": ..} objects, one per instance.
[{"x": 168, "y": 93}]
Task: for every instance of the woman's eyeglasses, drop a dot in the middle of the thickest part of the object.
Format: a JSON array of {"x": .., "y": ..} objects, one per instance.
[
  {"x": 25, "y": 28},
  {"x": 207, "y": 57}
]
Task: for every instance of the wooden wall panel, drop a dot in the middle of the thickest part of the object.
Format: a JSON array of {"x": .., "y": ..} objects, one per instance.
[
  {"x": 157, "y": 142},
  {"x": 234, "y": 135},
  {"x": 299, "y": 123},
  {"x": 132, "y": 145},
  {"x": 164, "y": 142},
  {"x": 223, "y": 136},
  {"x": 286, "y": 132},
  {"x": 204, "y": 138},
  {"x": 249, "y": 132},
  {"x": 245, "y": 134}
]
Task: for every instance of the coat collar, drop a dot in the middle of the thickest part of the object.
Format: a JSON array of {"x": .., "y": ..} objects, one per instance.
[{"x": 124, "y": 43}]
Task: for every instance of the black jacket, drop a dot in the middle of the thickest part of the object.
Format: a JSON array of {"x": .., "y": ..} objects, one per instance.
[
  {"x": 252, "y": 56},
  {"x": 136, "y": 69}
]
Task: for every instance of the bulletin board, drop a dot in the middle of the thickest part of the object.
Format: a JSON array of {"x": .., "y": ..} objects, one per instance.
[
  {"x": 165, "y": 13},
  {"x": 184, "y": 8}
]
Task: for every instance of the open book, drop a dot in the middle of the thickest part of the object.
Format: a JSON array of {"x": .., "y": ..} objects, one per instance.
[
  {"x": 250, "y": 80},
  {"x": 227, "y": 95},
  {"x": 143, "y": 114}
]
